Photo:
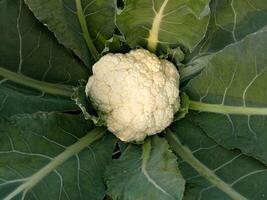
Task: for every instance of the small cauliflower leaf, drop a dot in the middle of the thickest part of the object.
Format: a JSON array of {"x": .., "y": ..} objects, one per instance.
[
  {"x": 184, "y": 107},
  {"x": 83, "y": 102}
]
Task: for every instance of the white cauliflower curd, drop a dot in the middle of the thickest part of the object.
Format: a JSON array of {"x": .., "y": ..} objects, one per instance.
[{"x": 137, "y": 94}]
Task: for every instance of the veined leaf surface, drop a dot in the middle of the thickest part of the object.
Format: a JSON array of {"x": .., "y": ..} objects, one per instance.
[
  {"x": 28, "y": 49},
  {"x": 151, "y": 167},
  {"x": 28, "y": 143},
  {"x": 229, "y": 174},
  {"x": 231, "y": 93},
  {"x": 164, "y": 22},
  {"x": 231, "y": 21},
  {"x": 76, "y": 22}
]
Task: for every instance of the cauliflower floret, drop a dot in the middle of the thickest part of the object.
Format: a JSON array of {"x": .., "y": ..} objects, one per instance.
[{"x": 137, "y": 94}]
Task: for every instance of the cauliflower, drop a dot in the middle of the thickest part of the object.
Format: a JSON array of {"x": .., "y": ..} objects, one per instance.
[{"x": 137, "y": 94}]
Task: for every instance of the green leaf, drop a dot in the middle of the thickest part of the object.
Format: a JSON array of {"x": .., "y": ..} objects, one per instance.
[
  {"x": 231, "y": 95},
  {"x": 13, "y": 102},
  {"x": 28, "y": 49},
  {"x": 116, "y": 44},
  {"x": 184, "y": 107},
  {"x": 231, "y": 21},
  {"x": 163, "y": 22},
  {"x": 78, "y": 24},
  {"x": 83, "y": 102},
  {"x": 194, "y": 67},
  {"x": 174, "y": 53},
  {"x": 213, "y": 172},
  {"x": 52, "y": 156},
  {"x": 145, "y": 172}
]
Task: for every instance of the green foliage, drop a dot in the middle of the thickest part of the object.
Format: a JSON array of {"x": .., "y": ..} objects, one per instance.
[
  {"x": 51, "y": 145},
  {"x": 218, "y": 173},
  {"x": 164, "y": 22},
  {"x": 30, "y": 49},
  {"x": 235, "y": 77},
  {"x": 137, "y": 172},
  {"x": 231, "y": 21},
  {"x": 29, "y": 142}
]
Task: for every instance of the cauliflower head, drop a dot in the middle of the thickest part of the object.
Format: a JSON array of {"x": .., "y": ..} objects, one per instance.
[{"x": 137, "y": 94}]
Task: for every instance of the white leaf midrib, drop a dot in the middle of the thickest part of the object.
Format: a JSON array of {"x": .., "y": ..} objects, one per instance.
[
  {"x": 155, "y": 28},
  {"x": 145, "y": 158},
  {"x": 150, "y": 180}
]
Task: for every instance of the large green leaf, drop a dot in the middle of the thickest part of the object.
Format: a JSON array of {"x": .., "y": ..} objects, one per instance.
[
  {"x": 145, "y": 173},
  {"x": 30, "y": 167},
  {"x": 212, "y": 172},
  {"x": 27, "y": 48},
  {"x": 231, "y": 93},
  {"x": 164, "y": 22},
  {"x": 76, "y": 22},
  {"x": 231, "y": 21},
  {"x": 14, "y": 101}
]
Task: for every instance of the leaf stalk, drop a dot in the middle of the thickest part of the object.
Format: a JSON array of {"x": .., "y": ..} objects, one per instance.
[
  {"x": 51, "y": 88},
  {"x": 224, "y": 109}
]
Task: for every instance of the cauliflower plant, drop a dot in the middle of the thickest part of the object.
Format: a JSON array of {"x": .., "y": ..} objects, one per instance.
[{"x": 137, "y": 94}]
